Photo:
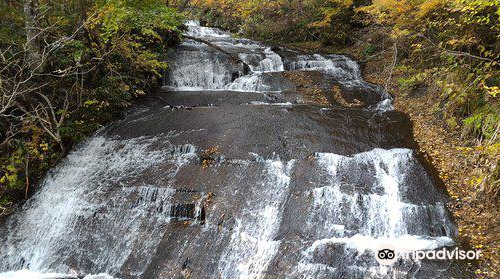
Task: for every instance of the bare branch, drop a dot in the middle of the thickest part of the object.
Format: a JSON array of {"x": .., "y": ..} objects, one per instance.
[{"x": 456, "y": 53}]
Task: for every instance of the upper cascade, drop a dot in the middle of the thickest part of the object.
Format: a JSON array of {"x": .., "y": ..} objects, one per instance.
[{"x": 217, "y": 61}]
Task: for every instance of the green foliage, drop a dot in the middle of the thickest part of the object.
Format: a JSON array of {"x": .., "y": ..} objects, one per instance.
[
  {"x": 369, "y": 50},
  {"x": 411, "y": 83},
  {"x": 137, "y": 33},
  {"x": 108, "y": 52},
  {"x": 145, "y": 16},
  {"x": 460, "y": 40},
  {"x": 483, "y": 122},
  {"x": 327, "y": 21},
  {"x": 13, "y": 20}
]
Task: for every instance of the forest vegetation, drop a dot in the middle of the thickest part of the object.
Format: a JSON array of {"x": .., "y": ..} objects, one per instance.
[{"x": 67, "y": 68}]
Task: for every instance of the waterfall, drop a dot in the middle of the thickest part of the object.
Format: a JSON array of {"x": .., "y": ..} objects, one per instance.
[
  {"x": 252, "y": 244},
  {"x": 358, "y": 220},
  {"x": 82, "y": 197},
  {"x": 238, "y": 177},
  {"x": 206, "y": 68}
]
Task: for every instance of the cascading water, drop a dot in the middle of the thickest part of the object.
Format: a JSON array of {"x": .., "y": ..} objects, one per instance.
[
  {"x": 252, "y": 244},
  {"x": 358, "y": 217},
  {"x": 69, "y": 212},
  {"x": 199, "y": 67},
  {"x": 230, "y": 172}
]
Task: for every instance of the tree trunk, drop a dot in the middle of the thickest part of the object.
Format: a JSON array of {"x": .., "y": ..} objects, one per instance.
[
  {"x": 32, "y": 35},
  {"x": 246, "y": 68}
]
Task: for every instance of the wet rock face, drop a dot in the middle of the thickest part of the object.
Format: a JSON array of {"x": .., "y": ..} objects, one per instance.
[{"x": 243, "y": 175}]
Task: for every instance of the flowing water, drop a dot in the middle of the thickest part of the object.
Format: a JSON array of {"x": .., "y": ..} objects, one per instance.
[{"x": 230, "y": 172}]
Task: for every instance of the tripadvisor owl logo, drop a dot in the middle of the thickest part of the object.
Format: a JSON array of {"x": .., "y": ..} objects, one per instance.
[{"x": 387, "y": 254}]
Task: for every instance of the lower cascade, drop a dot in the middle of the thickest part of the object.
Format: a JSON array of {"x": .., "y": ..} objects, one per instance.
[{"x": 230, "y": 171}]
